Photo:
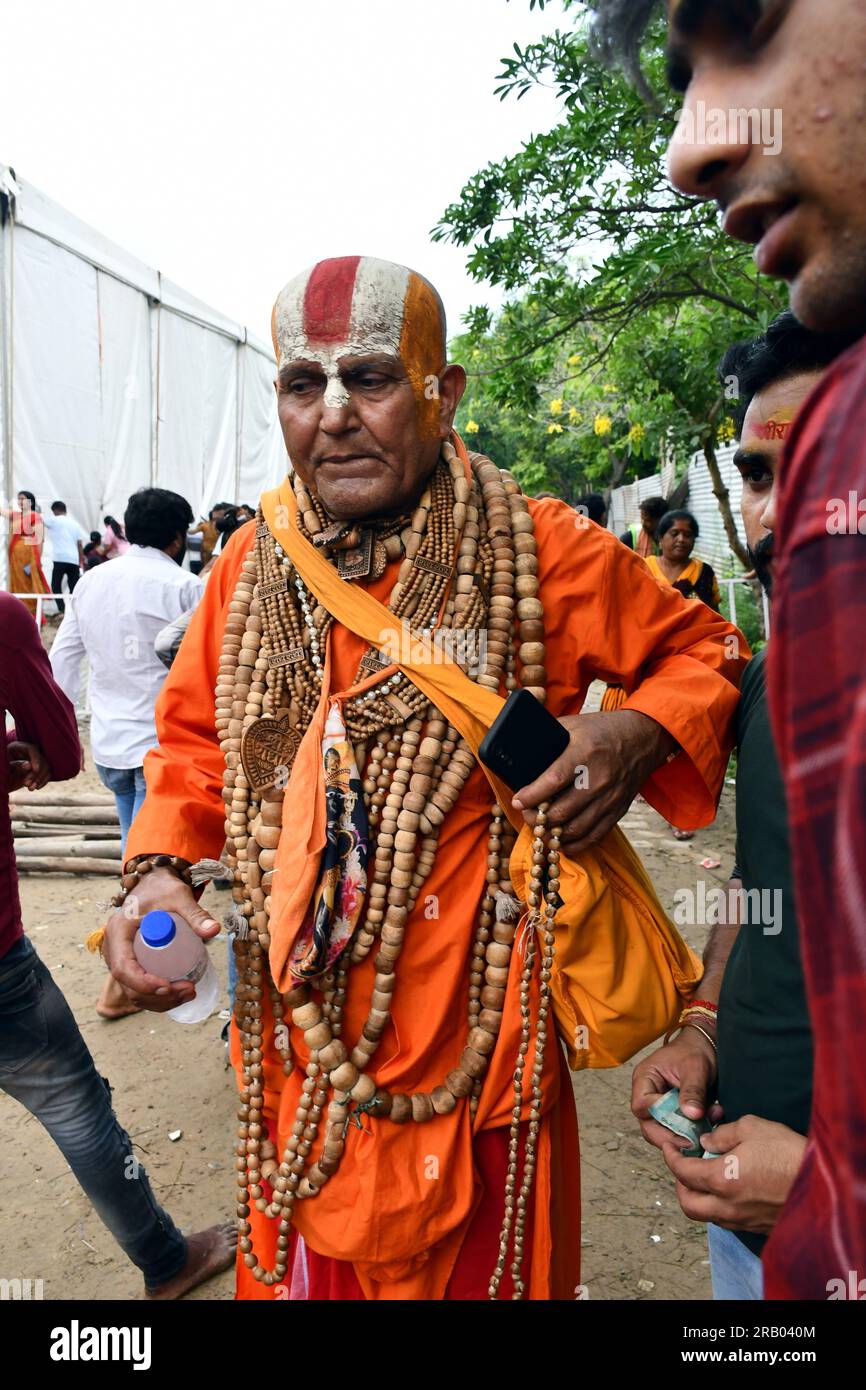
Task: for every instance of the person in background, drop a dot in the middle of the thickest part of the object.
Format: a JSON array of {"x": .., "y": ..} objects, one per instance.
[
  {"x": 92, "y": 554},
  {"x": 115, "y": 616},
  {"x": 593, "y": 505},
  {"x": 245, "y": 512},
  {"x": 45, "y": 1063},
  {"x": 67, "y": 544},
  {"x": 226, "y": 521},
  {"x": 114, "y": 542},
  {"x": 695, "y": 579},
  {"x": 643, "y": 538},
  {"x": 763, "y": 1072},
  {"x": 208, "y": 532},
  {"x": 25, "y": 549}
]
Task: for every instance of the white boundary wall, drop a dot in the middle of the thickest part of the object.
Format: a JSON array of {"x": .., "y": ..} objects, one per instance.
[
  {"x": 113, "y": 378},
  {"x": 712, "y": 543}
]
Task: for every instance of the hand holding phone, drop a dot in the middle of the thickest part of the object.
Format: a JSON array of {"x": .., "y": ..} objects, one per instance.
[
  {"x": 523, "y": 741},
  {"x": 595, "y": 765}
]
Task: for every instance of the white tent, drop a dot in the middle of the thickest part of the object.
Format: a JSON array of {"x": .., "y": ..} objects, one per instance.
[{"x": 113, "y": 378}]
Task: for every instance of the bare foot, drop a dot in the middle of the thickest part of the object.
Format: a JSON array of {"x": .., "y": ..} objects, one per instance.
[
  {"x": 208, "y": 1253},
  {"x": 682, "y": 834},
  {"x": 114, "y": 1002}
]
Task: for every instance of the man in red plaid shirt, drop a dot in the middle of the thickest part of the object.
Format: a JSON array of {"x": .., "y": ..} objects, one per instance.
[{"x": 801, "y": 63}]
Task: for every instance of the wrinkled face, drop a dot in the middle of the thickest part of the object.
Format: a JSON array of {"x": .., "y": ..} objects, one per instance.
[
  {"x": 787, "y": 77},
  {"x": 363, "y": 397},
  {"x": 762, "y": 444},
  {"x": 678, "y": 542}
]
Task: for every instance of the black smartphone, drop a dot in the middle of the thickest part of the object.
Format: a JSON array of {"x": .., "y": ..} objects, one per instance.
[{"x": 523, "y": 741}]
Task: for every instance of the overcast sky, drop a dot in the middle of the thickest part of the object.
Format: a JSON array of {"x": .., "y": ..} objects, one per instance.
[{"x": 230, "y": 145}]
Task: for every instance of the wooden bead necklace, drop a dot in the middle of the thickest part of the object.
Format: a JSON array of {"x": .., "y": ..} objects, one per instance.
[{"x": 469, "y": 561}]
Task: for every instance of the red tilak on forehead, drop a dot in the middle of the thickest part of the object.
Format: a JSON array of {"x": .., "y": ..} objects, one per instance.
[
  {"x": 328, "y": 300},
  {"x": 774, "y": 429}
]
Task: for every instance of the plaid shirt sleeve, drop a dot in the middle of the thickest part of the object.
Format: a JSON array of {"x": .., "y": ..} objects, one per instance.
[{"x": 817, "y": 682}]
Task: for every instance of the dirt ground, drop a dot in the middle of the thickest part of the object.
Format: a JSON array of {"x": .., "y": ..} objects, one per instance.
[{"x": 167, "y": 1077}]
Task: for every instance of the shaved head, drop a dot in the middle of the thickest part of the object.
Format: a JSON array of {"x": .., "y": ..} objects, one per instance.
[
  {"x": 359, "y": 306},
  {"x": 364, "y": 395}
]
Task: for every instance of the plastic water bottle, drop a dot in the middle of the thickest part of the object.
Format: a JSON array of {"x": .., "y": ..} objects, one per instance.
[{"x": 167, "y": 946}]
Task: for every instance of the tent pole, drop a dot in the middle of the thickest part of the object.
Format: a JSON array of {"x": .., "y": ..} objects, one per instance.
[
  {"x": 6, "y": 349},
  {"x": 239, "y": 417},
  {"x": 155, "y": 323}
]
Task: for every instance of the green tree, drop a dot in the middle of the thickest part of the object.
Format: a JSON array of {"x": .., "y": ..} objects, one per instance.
[{"x": 605, "y": 262}]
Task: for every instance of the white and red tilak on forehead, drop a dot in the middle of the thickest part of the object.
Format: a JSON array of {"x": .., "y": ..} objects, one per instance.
[{"x": 353, "y": 306}]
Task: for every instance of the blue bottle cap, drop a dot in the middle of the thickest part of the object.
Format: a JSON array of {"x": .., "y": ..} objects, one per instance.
[{"x": 157, "y": 928}]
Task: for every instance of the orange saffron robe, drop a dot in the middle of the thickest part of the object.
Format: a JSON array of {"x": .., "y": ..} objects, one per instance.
[{"x": 401, "y": 1202}]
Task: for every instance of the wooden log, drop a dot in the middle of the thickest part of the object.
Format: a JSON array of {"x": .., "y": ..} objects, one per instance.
[
  {"x": 47, "y": 797},
  {"x": 67, "y": 848},
  {"x": 61, "y": 865},
  {"x": 72, "y": 832},
  {"x": 63, "y": 815}
]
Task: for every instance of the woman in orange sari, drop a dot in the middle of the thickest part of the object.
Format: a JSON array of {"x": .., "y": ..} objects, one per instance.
[
  {"x": 25, "y": 550},
  {"x": 675, "y": 563}
]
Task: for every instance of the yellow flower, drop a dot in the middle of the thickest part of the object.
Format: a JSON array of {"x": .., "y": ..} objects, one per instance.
[
  {"x": 602, "y": 424},
  {"x": 636, "y": 434},
  {"x": 574, "y": 359},
  {"x": 574, "y": 416},
  {"x": 472, "y": 427},
  {"x": 609, "y": 390},
  {"x": 556, "y": 407},
  {"x": 727, "y": 430},
  {"x": 555, "y": 428}
]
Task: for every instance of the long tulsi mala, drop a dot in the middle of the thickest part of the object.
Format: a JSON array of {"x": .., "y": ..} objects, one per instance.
[{"x": 272, "y": 664}]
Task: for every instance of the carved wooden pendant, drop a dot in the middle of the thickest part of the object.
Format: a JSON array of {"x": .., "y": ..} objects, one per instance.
[
  {"x": 356, "y": 563},
  {"x": 268, "y": 749}
]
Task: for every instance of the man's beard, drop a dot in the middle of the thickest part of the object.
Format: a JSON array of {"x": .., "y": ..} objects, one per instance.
[{"x": 761, "y": 555}]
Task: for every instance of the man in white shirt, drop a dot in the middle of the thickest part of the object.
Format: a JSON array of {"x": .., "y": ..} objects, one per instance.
[
  {"x": 67, "y": 547},
  {"x": 114, "y": 619}
]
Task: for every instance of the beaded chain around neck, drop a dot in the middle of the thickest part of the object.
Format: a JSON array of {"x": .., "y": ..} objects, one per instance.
[{"x": 468, "y": 561}]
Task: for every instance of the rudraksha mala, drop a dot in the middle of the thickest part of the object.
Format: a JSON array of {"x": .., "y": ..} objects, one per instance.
[
  {"x": 134, "y": 870},
  {"x": 468, "y": 561}
]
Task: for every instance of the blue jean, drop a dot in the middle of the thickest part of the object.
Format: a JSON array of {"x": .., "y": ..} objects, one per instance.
[
  {"x": 128, "y": 786},
  {"x": 736, "y": 1272},
  {"x": 45, "y": 1064}
]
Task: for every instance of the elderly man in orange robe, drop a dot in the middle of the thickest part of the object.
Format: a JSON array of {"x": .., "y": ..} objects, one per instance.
[{"x": 407, "y": 1126}]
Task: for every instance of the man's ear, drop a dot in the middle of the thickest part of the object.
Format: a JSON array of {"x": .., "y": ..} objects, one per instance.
[{"x": 452, "y": 384}]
